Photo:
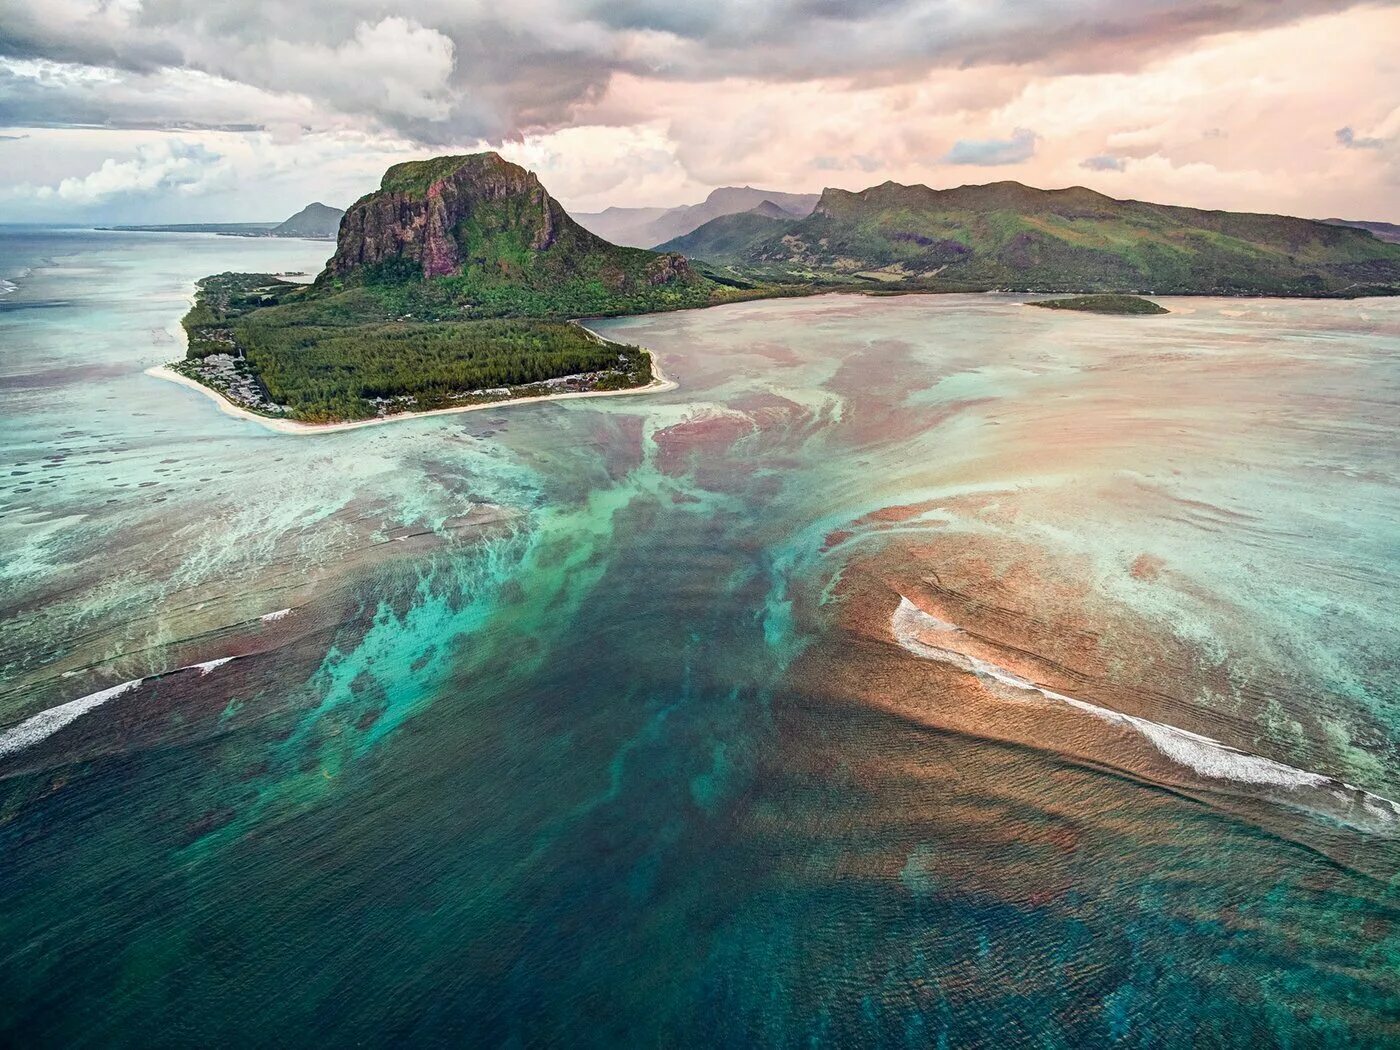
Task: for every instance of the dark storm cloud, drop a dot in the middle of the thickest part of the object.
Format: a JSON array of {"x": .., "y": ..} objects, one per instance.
[{"x": 438, "y": 72}]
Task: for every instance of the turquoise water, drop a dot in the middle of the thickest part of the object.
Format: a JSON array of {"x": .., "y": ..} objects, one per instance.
[{"x": 587, "y": 723}]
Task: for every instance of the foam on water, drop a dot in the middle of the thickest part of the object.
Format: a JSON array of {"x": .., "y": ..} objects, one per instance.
[
  {"x": 1202, "y": 754},
  {"x": 46, "y": 723}
]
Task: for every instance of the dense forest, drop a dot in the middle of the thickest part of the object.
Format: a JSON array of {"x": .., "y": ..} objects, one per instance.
[{"x": 322, "y": 364}]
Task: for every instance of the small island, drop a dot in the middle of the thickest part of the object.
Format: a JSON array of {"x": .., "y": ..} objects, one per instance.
[{"x": 1104, "y": 304}]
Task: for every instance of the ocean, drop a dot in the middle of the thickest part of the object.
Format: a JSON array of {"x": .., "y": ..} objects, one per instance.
[{"x": 924, "y": 670}]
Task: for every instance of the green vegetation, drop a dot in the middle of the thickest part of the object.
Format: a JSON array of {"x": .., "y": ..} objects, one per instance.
[
  {"x": 413, "y": 178},
  {"x": 451, "y": 284},
  {"x": 219, "y": 300},
  {"x": 1104, "y": 304},
  {"x": 1012, "y": 237},
  {"x": 317, "y": 364},
  {"x": 491, "y": 243},
  {"x": 727, "y": 237}
]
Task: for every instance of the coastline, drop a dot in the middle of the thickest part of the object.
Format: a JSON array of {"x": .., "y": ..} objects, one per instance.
[{"x": 660, "y": 383}]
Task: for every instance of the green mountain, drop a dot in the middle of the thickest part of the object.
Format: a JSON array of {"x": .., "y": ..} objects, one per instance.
[
  {"x": 1385, "y": 231},
  {"x": 451, "y": 284},
  {"x": 315, "y": 221},
  {"x": 730, "y": 237},
  {"x": 1006, "y": 235},
  {"x": 646, "y": 227},
  {"x": 481, "y": 236}
]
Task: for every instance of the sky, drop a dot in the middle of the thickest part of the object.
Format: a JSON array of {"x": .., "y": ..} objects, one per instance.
[{"x": 191, "y": 110}]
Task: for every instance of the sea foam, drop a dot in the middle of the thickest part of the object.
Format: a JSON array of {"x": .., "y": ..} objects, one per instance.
[
  {"x": 1203, "y": 755},
  {"x": 46, "y": 723}
]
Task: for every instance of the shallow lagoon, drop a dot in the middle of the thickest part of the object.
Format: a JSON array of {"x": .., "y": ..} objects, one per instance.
[{"x": 588, "y": 721}]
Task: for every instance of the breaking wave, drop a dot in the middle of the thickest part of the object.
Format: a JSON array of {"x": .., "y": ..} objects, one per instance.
[
  {"x": 1203, "y": 755},
  {"x": 46, "y": 723}
]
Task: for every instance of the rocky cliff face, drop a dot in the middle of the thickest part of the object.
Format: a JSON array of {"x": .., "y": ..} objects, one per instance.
[
  {"x": 418, "y": 207},
  {"x": 449, "y": 215}
]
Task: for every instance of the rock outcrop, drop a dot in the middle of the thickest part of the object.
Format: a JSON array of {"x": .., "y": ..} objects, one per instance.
[{"x": 452, "y": 215}]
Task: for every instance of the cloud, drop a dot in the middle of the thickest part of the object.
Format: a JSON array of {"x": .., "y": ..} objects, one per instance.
[
  {"x": 988, "y": 152},
  {"x": 1347, "y": 137},
  {"x": 441, "y": 73},
  {"x": 395, "y": 69},
  {"x": 45, "y": 94},
  {"x": 168, "y": 168},
  {"x": 857, "y": 162},
  {"x": 634, "y": 102},
  {"x": 1104, "y": 162}
]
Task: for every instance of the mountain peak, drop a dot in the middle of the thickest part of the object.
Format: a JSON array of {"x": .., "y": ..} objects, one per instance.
[
  {"x": 491, "y": 223},
  {"x": 316, "y": 220},
  {"x": 440, "y": 213},
  {"x": 417, "y": 176},
  {"x": 769, "y": 210}
]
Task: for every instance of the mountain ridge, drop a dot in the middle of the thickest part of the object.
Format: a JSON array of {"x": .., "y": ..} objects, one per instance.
[
  {"x": 474, "y": 226},
  {"x": 650, "y": 227},
  {"x": 1385, "y": 231},
  {"x": 1011, "y": 236}
]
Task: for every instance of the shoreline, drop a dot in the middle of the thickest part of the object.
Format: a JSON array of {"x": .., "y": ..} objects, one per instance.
[{"x": 660, "y": 383}]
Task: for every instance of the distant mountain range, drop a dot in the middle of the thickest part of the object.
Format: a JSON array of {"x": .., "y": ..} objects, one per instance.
[
  {"x": 479, "y": 233},
  {"x": 1386, "y": 231},
  {"x": 1009, "y": 236},
  {"x": 649, "y": 227},
  {"x": 314, "y": 222}
]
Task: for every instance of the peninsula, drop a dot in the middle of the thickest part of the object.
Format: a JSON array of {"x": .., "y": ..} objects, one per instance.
[
  {"x": 316, "y": 222},
  {"x": 460, "y": 280},
  {"x": 452, "y": 286}
]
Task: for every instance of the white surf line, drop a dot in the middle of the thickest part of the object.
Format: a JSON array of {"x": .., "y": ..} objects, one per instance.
[
  {"x": 1202, "y": 754},
  {"x": 46, "y": 723}
]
